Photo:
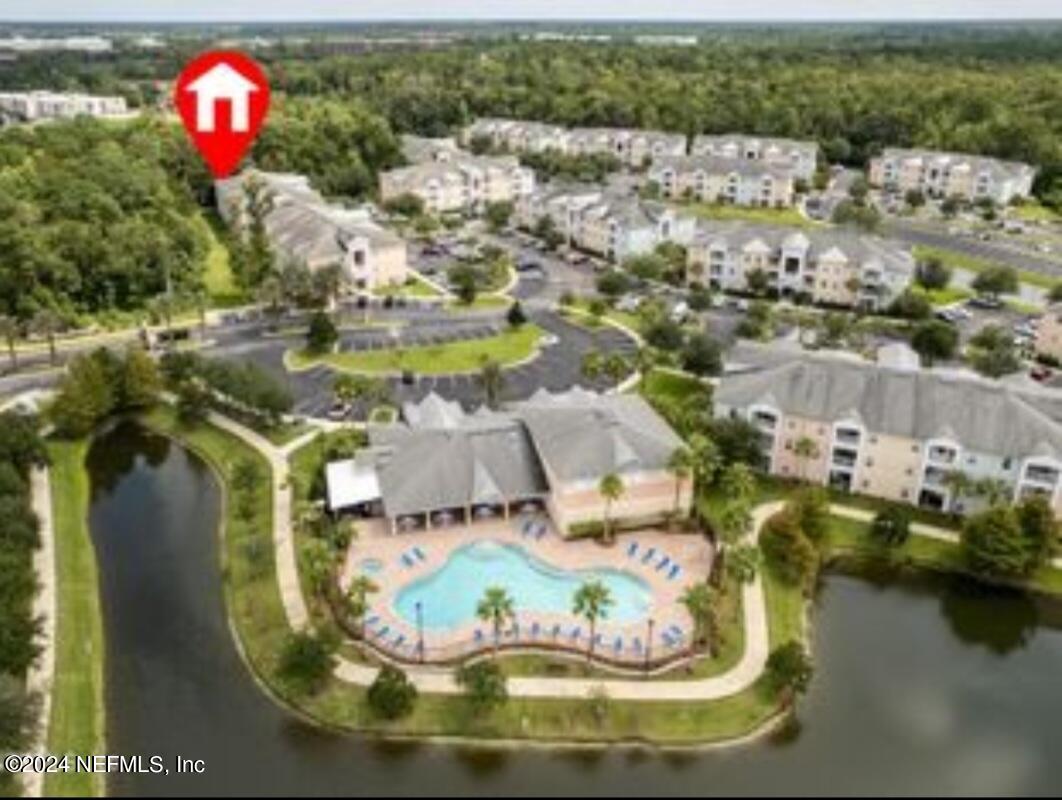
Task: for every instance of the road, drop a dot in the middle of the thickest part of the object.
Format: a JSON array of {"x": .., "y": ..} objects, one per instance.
[{"x": 991, "y": 251}]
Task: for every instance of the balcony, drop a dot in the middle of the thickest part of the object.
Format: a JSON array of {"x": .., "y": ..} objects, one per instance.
[
  {"x": 848, "y": 436},
  {"x": 843, "y": 458},
  {"x": 943, "y": 455},
  {"x": 1044, "y": 476}
]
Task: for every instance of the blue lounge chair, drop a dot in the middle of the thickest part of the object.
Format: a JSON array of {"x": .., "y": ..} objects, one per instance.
[
  {"x": 407, "y": 560},
  {"x": 666, "y": 638},
  {"x": 383, "y": 631},
  {"x": 525, "y": 529},
  {"x": 556, "y": 630},
  {"x": 419, "y": 554},
  {"x": 541, "y": 530},
  {"x": 535, "y": 630},
  {"x": 649, "y": 555},
  {"x": 399, "y": 640},
  {"x": 632, "y": 548},
  {"x": 673, "y": 573},
  {"x": 663, "y": 563},
  {"x": 477, "y": 636},
  {"x": 636, "y": 646},
  {"x": 617, "y": 646},
  {"x": 576, "y": 634},
  {"x": 370, "y": 621}
]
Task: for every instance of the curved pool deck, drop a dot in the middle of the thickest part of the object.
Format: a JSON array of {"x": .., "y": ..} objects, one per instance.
[{"x": 648, "y": 588}]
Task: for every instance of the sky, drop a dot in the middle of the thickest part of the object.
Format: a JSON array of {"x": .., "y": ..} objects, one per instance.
[{"x": 708, "y": 10}]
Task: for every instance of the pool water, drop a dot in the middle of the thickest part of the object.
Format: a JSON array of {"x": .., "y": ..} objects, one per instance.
[{"x": 449, "y": 595}]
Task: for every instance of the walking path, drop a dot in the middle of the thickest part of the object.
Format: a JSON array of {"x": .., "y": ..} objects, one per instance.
[{"x": 41, "y": 673}]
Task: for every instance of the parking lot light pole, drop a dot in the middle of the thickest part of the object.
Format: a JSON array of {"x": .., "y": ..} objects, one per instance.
[
  {"x": 420, "y": 632},
  {"x": 649, "y": 646}
]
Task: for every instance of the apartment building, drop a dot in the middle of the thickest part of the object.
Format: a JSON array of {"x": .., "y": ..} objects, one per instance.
[
  {"x": 720, "y": 179},
  {"x": 941, "y": 174},
  {"x": 517, "y": 136},
  {"x": 831, "y": 267},
  {"x": 894, "y": 432},
  {"x": 458, "y": 182},
  {"x": 303, "y": 228},
  {"x": 609, "y": 225},
  {"x": 40, "y": 105},
  {"x": 633, "y": 147},
  {"x": 801, "y": 157},
  {"x": 422, "y": 149}
]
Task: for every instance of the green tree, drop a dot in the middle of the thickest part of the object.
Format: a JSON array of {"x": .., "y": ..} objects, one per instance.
[
  {"x": 492, "y": 380},
  {"x": 322, "y": 334},
  {"x": 702, "y": 355},
  {"x": 357, "y": 600},
  {"x": 680, "y": 465},
  {"x": 85, "y": 395},
  {"x": 9, "y": 329},
  {"x": 498, "y": 214},
  {"x": 193, "y": 402},
  {"x": 932, "y": 274},
  {"x": 515, "y": 315},
  {"x": 306, "y": 661},
  {"x": 497, "y": 609},
  {"x": 934, "y": 340},
  {"x": 141, "y": 382},
  {"x": 701, "y": 603},
  {"x": 391, "y": 695},
  {"x": 484, "y": 684},
  {"x": 47, "y": 323},
  {"x": 789, "y": 671},
  {"x": 891, "y": 526},
  {"x": 611, "y": 489},
  {"x": 788, "y": 551},
  {"x": 995, "y": 281},
  {"x": 592, "y": 601}
]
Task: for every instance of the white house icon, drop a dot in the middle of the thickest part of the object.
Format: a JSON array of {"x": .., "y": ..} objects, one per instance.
[{"x": 221, "y": 82}]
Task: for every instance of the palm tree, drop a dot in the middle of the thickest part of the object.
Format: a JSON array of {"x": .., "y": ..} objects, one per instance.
[
  {"x": 327, "y": 283},
  {"x": 705, "y": 461},
  {"x": 492, "y": 379},
  {"x": 592, "y": 601},
  {"x": 739, "y": 483},
  {"x": 9, "y": 329},
  {"x": 734, "y": 521},
  {"x": 959, "y": 484},
  {"x": 496, "y": 607},
  {"x": 805, "y": 449},
  {"x": 612, "y": 489},
  {"x": 199, "y": 298},
  {"x": 680, "y": 465},
  {"x": 358, "y": 600},
  {"x": 700, "y": 601},
  {"x": 318, "y": 564},
  {"x": 994, "y": 490},
  {"x": 162, "y": 307},
  {"x": 47, "y": 323}
]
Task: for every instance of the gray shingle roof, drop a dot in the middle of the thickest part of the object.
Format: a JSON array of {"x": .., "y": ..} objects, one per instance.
[{"x": 984, "y": 416}]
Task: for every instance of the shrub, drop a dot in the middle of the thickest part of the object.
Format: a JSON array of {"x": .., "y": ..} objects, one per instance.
[
  {"x": 787, "y": 551},
  {"x": 891, "y": 526},
  {"x": 391, "y": 695},
  {"x": 484, "y": 684},
  {"x": 306, "y": 661}
]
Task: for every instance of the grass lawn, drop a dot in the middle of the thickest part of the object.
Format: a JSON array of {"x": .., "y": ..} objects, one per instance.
[
  {"x": 217, "y": 277},
  {"x": 509, "y": 347},
  {"x": 415, "y": 286},
  {"x": 957, "y": 260},
  {"x": 483, "y": 302},
  {"x": 943, "y": 297},
  {"x": 624, "y": 318},
  {"x": 1034, "y": 212},
  {"x": 77, "y": 714},
  {"x": 670, "y": 385},
  {"x": 775, "y": 216}
]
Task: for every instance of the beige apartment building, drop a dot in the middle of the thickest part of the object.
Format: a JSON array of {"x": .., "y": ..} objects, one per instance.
[
  {"x": 942, "y": 174},
  {"x": 303, "y": 228},
  {"x": 829, "y": 267},
  {"x": 895, "y": 432},
  {"x": 718, "y": 179},
  {"x": 458, "y": 182},
  {"x": 1049, "y": 333},
  {"x": 801, "y": 157}
]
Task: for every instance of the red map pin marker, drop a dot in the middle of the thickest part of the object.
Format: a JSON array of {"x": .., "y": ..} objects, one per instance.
[{"x": 222, "y": 97}]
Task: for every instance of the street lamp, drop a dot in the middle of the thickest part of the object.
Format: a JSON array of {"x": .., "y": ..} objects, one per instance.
[
  {"x": 420, "y": 632},
  {"x": 649, "y": 645}
]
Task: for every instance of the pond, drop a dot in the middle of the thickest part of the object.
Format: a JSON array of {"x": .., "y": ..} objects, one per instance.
[{"x": 921, "y": 686}]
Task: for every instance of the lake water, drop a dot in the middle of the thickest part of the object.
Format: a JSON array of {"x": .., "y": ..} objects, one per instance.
[{"x": 920, "y": 686}]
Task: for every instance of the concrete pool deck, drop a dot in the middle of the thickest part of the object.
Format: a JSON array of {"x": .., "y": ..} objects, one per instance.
[{"x": 397, "y": 567}]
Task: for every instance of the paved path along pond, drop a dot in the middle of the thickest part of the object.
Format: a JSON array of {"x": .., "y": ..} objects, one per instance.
[{"x": 932, "y": 686}]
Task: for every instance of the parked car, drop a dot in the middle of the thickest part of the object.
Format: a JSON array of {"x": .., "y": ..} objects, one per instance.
[
  {"x": 1040, "y": 372},
  {"x": 680, "y": 312},
  {"x": 985, "y": 301},
  {"x": 628, "y": 303}
]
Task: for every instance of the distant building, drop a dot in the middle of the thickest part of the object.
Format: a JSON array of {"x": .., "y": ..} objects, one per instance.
[
  {"x": 896, "y": 433},
  {"x": 550, "y": 451},
  {"x": 941, "y": 174},
  {"x": 801, "y": 157},
  {"x": 608, "y": 225},
  {"x": 719, "y": 179},
  {"x": 832, "y": 267},
  {"x": 453, "y": 182},
  {"x": 420, "y": 149},
  {"x": 41, "y": 105},
  {"x": 303, "y": 228},
  {"x": 83, "y": 44}
]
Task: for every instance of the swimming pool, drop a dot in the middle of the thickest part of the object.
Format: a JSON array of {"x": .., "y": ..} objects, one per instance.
[{"x": 450, "y": 594}]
